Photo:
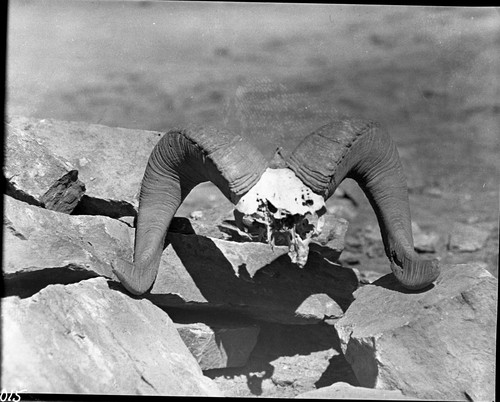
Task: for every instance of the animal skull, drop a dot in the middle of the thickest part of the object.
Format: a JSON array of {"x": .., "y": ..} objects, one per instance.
[
  {"x": 284, "y": 206},
  {"x": 281, "y": 210}
]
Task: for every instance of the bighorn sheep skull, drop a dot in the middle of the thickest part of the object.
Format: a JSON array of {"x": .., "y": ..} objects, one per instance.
[{"x": 287, "y": 203}]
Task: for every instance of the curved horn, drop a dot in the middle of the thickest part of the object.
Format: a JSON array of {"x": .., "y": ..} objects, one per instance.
[
  {"x": 364, "y": 152},
  {"x": 181, "y": 160}
]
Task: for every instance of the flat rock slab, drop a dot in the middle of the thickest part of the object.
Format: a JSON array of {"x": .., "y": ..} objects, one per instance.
[
  {"x": 250, "y": 278},
  {"x": 88, "y": 338},
  {"x": 34, "y": 174},
  {"x": 51, "y": 246},
  {"x": 343, "y": 390},
  {"x": 436, "y": 344},
  {"x": 219, "y": 346},
  {"x": 110, "y": 161}
]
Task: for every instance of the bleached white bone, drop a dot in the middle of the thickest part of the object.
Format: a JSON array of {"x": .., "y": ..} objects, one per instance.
[
  {"x": 278, "y": 195},
  {"x": 284, "y": 191}
]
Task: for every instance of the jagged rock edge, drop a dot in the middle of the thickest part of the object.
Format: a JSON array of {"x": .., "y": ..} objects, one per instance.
[
  {"x": 12, "y": 191},
  {"x": 29, "y": 281},
  {"x": 115, "y": 209}
]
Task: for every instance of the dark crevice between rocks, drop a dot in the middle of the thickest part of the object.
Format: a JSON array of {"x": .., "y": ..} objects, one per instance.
[
  {"x": 98, "y": 206},
  {"x": 62, "y": 196},
  {"x": 25, "y": 284},
  {"x": 11, "y": 190}
]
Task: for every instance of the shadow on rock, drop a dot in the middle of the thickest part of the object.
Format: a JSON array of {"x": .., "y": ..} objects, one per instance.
[
  {"x": 250, "y": 278},
  {"x": 390, "y": 282},
  {"x": 25, "y": 284},
  {"x": 300, "y": 357}
]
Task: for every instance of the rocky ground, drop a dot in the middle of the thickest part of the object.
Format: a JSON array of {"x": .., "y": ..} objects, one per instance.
[
  {"x": 224, "y": 316},
  {"x": 273, "y": 73}
]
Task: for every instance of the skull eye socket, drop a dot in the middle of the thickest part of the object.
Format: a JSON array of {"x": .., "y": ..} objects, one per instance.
[{"x": 271, "y": 207}]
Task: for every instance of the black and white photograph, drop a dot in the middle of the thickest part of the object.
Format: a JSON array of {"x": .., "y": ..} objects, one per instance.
[{"x": 250, "y": 199}]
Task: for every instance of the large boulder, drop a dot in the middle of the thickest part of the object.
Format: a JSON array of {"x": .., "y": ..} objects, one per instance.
[
  {"x": 110, "y": 161},
  {"x": 42, "y": 246},
  {"x": 250, "y": 278},
  {"x": 438, "y": 343},
  {"x": 33, "y": 174},
  {"x": 218, "y": 346},
  {"x": 88, "y": 338}
]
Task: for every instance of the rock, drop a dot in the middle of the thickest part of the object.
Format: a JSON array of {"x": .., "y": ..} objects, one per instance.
[
  {"x": 437, "y": 344},
  {"x": 249, "y": 278},
  {"x": 343, "y": 390},
  {"x": 61, "y": 248},
  {"x": 371, "y": 241},
  {"x": 319, "y": 302},
  {"x": 217, "y": 346},
  {"x": 287, "y": 360},
  {"x": 342, "y": 208},
  {"x": 466, "y": 238},
  {"x": 367, "y": 276},
  {"x": 196, "y": 215},
  {"x": 332, "y": 237},
  {"x": 36, "y": 176},
  {"x": 350, "y": 190},
  {"x": 110, "y": 161},
  {"x": 88, "y": 338},
  {"x": 424, "y": 242}
]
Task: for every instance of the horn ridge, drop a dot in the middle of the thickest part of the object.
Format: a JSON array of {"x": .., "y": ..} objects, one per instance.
[
  {"x": 182, "y": 159},
  {"x": 363, "y": 151}
]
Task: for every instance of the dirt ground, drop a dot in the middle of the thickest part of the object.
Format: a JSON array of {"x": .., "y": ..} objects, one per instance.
[{"x": 274, "y": 73}]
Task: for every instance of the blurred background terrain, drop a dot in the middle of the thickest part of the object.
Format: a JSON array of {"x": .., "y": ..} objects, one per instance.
[{"x": 275, "y": 72}]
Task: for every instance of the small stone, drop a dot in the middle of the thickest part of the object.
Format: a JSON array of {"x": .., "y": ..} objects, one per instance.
[
  {"x": 319, "y": 304},
  {"x": 83, "y": 161},
  {"x": 367, "y": 276},
  {"x": 433, "y": 192},
  {"x": 196, "y": 215},
  {"x": 219, "y": 346},
  {"x": 467, "y": 238},
  {"x": 424, "y": 242},
  {"x": 349, "y": 258}
]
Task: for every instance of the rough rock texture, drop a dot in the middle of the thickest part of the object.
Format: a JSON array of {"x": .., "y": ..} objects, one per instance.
[
  {"x": 87, "y": 338},
  {"x": 437, "y": 344},
  {"x": 287, "y": 360},
  {"x": 468, "y": 237},
  {"x": 110, "y": 161},
  {"x": 33, "y": 174},
  {"x": 343, "y": 390},
  {"x": 249, "y": 278},
  {"x": 332, "y": 237},
  {"x": 425, "y": 242},
  {"x": 60, "y": 247},
  {"x": 217, "y": 346},
  {"x": 219, "y": 275}
]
